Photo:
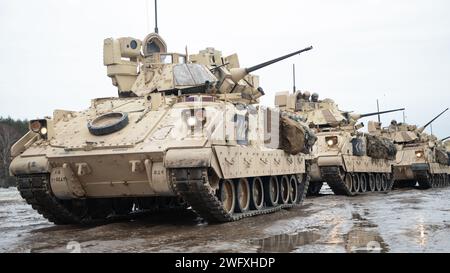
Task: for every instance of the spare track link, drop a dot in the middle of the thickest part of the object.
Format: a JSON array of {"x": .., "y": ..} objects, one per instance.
[
  {"x": 35, "y": 189},
  {"x": 193, "y": 186},
  {"x": 335, "y": 181}
]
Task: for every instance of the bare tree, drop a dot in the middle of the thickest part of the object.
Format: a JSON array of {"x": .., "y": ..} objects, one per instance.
[{"x": 8, "y": 136}]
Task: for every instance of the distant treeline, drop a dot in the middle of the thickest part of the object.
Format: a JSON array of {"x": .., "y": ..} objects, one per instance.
[{"x": 11, "y": 130}]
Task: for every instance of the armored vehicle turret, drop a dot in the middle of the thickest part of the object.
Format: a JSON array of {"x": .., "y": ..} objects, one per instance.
[
  {"x": 350, "y": 161},
  {"x": 421, "y": 158},
  {"x": 184, "y": 131}
]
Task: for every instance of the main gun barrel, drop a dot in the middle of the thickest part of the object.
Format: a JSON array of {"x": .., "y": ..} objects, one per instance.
[
  {"x": 421, "y": 129},
  {"x": 259, "y": 66},
  {"x": 444, "y": 139},
  {"x": 238, "y": 74},
  {"x": 381, "y": 113}
]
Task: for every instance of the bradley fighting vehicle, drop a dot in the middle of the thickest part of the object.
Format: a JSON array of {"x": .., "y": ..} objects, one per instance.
[
  {"x": 351, "y": 162},
  {"x": 421, "y": 158},
  {"x": 184, "y": 131}
]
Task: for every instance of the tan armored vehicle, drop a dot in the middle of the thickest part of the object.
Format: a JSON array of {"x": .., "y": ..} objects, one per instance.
[
  {"x": 421, "y": 158},
  {"x": 184, "y": 131},
  {"x": 351, "y": 162}
]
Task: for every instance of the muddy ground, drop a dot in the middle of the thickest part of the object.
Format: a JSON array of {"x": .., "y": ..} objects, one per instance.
[{"x": 401, "y": 221}]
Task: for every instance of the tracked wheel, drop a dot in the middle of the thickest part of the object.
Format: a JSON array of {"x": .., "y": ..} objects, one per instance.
[
  {"x": 272, "y": 191},
  {"x": 242, "y": 195},
  {"x": 384, "y": 183},
  {"x": 348, "y": 180},
  {"x": 378, "y": 182},
  {"x": 293, "y": 190},
  {"x": 257, "y": 194},
  {"x": 363, "y": 182},
  {"x": 284, "y": 190},
  {"x": 372, "y": 182},
  {"x": 356, "y": 183},
  {"x": 227, "y": 194}
]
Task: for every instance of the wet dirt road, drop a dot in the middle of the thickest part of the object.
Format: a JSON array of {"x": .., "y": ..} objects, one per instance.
[{"x": 401, "y": 221}]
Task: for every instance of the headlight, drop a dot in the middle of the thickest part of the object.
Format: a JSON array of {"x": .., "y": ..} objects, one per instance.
[
  {"x": 419, "y": 154},
  {"x": 194, "y": 117},
  {"x": 39, "y": 126},
  {"x": 43, "y": 131},
  {"x": 191, "y": 121},
  {"x": 331, "y": 141},
  {"x": 35, "y": 126}
]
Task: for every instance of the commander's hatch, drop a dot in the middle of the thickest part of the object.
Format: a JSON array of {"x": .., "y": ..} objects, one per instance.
[{"x": 108, "y": 123}]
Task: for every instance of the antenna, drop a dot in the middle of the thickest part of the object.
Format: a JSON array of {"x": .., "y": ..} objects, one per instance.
[
  {"x": 156, "y": 16},
  {"x": 378, "y": 110},
  {"x": 404, "y": 117},
  {"x": 431, "y": 129},
  {"x": 293, "y": 77}
]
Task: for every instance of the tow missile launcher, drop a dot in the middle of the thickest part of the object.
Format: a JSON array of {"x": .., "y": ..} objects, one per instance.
[
  {"x": 349, "y": 161},
  {"x": 184, "y": 131},
  {"x": 421, "y": 158}
]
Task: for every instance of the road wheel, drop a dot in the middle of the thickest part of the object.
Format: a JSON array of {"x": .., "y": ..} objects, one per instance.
[
  {"x": 242, "y": 195},
  {"x": 363, "y": 182},
  {"x": 272, "y": 191},
  {"x": 227, "y": 195},
  {"x": 356, "y": 183},
  {"x": 257, "y": 194},
  {"x": 384, "y": 182},
  {"x": 371, "y": 182},
  {"x": 348, "y": 179},
  {"x": 284, "y": 190},
  {"x": 378, "y": 182},
  {"x": 293, "y": 189}
]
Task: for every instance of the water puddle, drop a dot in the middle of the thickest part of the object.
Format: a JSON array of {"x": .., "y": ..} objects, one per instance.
[
  {"x": 363, "y": 237},
  {"x": 286, "y": 242}
]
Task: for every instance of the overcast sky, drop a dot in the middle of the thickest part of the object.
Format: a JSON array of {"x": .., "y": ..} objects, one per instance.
[{"x": 396, "y": 51}]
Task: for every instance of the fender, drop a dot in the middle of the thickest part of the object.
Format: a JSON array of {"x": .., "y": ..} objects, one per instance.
[
  {"x": 29, "y": 165},
  {"x": 192, "y": 158},
  {"x": 325, "y": 161}
]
